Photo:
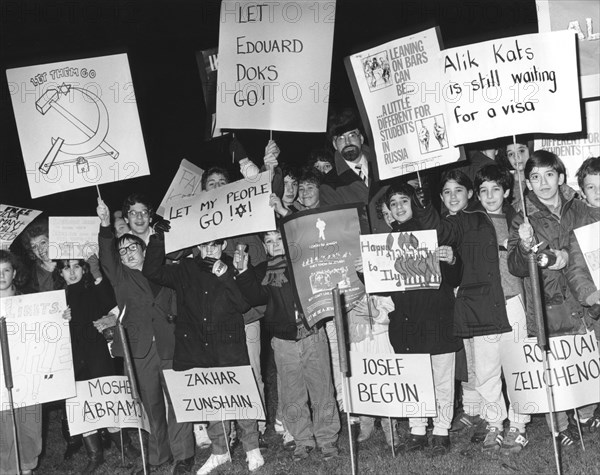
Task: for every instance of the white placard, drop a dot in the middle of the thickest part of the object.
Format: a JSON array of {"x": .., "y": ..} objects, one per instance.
[
  {"x": 238, "y": 208},
  {"x": 13, "y": 220},
  {"x": 78, "y": 123},
  {"x": 39, "y": 342},
  {"x": 573, "y": 367},
  {"x": 400, "y": 261},
  {"x": 214, "y": 394},
  {"x": 409, "y": 128},
  {"x": 390, "y": 385},
  {"x": 104, "y": 402},
  {"x": 512, "y": 86},
  {"x": 274, "y": 65},
  {"x": 73, "y": 237},
  {"x": 186, "y": 182},
  {"x": 588, "y": 238}
]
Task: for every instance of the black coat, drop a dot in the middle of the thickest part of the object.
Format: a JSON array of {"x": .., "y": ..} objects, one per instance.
[
  {"x": 209, "y": 329},
  {"x": 423, "y": 320},
  {"x": 480, "y": 307},
  {"x": 91, "y": 358}
]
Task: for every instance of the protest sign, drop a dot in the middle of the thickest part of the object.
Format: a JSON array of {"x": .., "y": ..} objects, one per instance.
[
  {"x": 391, "y": 385},
  {"x": 574, "y": 150},
  {"x": 39, "y": 342},
  {"x": 582, "y": 17},
  {"x": 322, "y": 245},
  {"x": 512, "y": 86},
  {"x": 13, "y": 220},
  {"x": 274, "y": 65},
  {"x": 208, "y": 65},
  {"x": 573, "y": 367},
  {"x": 104, "y": 402},
  {"x": 588, "y": 238},
  {"x": 238, "y": 208},
  {"x": 400, "y": 261},
  {"x": 72, "y": 237},
  {"x": 78, "y": 123},
  {"x": 186, "y": 182},
  {"x": 408, "y": 128},
  {"x": 214, "y": 394}
]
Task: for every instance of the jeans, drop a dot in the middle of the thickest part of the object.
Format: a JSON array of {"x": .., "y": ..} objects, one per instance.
[{"x": 305, "y": 373}]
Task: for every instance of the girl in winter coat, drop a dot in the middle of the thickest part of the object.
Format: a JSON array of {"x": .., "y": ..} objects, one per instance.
[{"x": 423, "y": 322}]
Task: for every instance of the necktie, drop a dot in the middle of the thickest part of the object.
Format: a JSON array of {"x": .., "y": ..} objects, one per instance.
[{"x": 361, "y": 175}]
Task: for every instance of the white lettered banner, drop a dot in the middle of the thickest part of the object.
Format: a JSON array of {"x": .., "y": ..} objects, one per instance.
[
  {"x": 573, "y": 367},
  {"x": 274, "y": 65},
  {"x": 13, "y": 220},
  {"x": 186, "y": 182},
  {"x": 409, "y": 127},
  {"x": 238, "y": 208},
  {"x": 588, "y": 238},
  {"x": 39, "y": 342},
  {"x": 214, "y": 394},
  {"x": 391, "y": 385},
  {"x": 78, "y": 123},
  {"x": 72, "y": 237},
  {"x": 104, "y": 402},
  {"x": 400, "y": 261},
  {"x": 512, "y": 86}
]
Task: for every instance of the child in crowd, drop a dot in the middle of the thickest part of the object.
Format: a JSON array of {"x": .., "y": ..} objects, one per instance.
[
  {"x": 588, "y": 179},
  {"x": 29, "y": 418},
  {"x": 209, "y": 328},
  {"x": 301, "y": 353},
  {"x": 493, "y": 186},
  {"x": 423, "y": 322},
  {"x": 88, "y": 302},
  {"x": 480, "y": 311},
  {"x": 553, "y": 214}
]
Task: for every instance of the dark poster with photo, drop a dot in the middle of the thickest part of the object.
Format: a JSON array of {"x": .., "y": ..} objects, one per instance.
[
  {"x": 322, "y": 246},
  {"x": 208, "y": 64}
]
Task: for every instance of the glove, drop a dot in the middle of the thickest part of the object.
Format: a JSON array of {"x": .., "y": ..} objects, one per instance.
[
  {"x": 207, "y": 264},
  {"x": 160, "y": 225}
]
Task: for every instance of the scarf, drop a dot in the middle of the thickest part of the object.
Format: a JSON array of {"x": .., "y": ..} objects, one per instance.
[{"x": 276, "y": 267}]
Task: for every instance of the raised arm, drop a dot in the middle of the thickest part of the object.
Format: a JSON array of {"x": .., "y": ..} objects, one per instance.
[
  {"x": 108, "y": 255},
  {"x": 154, "y": 267}
]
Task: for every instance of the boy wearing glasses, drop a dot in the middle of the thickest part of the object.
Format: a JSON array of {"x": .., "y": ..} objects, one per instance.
[
  {"x": 150, "y": 334},
  {"x": 137, "y": 213}
]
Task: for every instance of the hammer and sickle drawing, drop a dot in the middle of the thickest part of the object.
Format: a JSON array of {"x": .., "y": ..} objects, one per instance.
[{"x": 95, "y": 138}]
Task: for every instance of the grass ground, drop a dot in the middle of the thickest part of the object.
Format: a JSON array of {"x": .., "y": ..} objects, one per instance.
[{"x": 373, "y": 456}]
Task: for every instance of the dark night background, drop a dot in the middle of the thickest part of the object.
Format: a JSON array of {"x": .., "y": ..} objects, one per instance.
[{"x": 161, "y": 39}]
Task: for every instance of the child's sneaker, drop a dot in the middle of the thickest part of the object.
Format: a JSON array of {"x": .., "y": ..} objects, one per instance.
[
  {"x": 493, "y": 439},
  {"x": 288, "y": 441},
  {"x": 464, "y": 421},
  {"x": 514, "y": 441},
  {"x": 201, "y": 436},
  {"x": 255, "y": 459},
  {"x": 568, "y": 437},
  {"x": 213, "y": 462},
  {"x": 592, "y": 424}
]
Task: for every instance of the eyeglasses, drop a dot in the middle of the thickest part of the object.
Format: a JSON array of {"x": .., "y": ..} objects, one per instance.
[
  {"x": 130, "y": 248},
  {"x": 347, "y": 137},
  {"x": 138, "y": 214}
]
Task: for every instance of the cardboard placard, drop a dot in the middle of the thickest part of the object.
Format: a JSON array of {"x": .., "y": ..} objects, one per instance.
[
  {"x": 13, "y": 220},
  {"x": 409, "y": 128},
  {"x": 104, "y": 402},
  {"x": 72, "y": 237},
  {"x": 391, "y": 385},
  {"x": 78, "y": 123},
  {"x": 39, "y": 342},
  {"x": 400, "y": 261},
  {"x": 186, "y": 182},
  {"x": 512, "y": 86},
  {"x": 214, "y": 394},
  {"x": 274, "y": 65},
  {"x": 241, "y": 207}
]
